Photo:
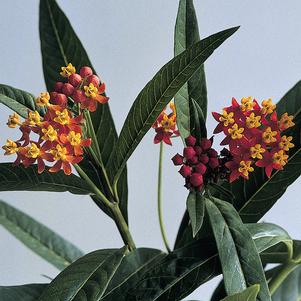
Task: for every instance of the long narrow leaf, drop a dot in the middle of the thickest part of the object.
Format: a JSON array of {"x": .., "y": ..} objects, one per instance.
[
  {"x": 40, "y": 239},
  {"x": 28, "y": 292}
]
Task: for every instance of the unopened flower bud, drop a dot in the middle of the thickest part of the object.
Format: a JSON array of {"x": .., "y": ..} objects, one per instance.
[
  {"x": 198, "y": 150},
  {"x": 201, "y": 168},
  {"x": 204, "y": 159},
  {"x": 94, "y": 79},
  {"x": 58, "y": 87},
  {"x": 68, "y": 89},
  {"x": 196, "y": 179},
  {"x": 185, "y": 171},
  {"x": 189, "y": 152},
  {"x": 85, "y": 71},
  {"x": 212, "y": 153},
  {"x": 75, "y": 80},
  {"x": 59, "y": 99},
  {"x": 213, "y": 163},
  {"x": 79, "y": 96},
  {"x": 206, "y": 144},
  {"x": 193, "y": 160},
  {"x": 190, "y": 141},
  {"x": 177, "y": 159}
]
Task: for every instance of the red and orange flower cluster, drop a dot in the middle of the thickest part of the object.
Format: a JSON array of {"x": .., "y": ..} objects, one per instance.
[
  {"x": 165, "y": 126},
  {"x": 57, "y": 136},
  {"x": 254, "y": 135},
  {"x": 83, "y": 88},
  {"x": 200, "y": 163}
]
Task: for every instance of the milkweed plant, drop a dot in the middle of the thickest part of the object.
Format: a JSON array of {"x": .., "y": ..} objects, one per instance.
[{"x": 68, "y": 142}]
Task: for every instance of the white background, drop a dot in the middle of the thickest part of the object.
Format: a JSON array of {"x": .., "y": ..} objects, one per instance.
[{"x": 128, "y": 41}]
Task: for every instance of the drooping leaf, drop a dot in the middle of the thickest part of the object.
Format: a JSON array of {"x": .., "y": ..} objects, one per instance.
[
  {"x": 249, "y": 294},
  {"x": 27, "y": 292},
  {"x": 158, "y": 92},
  {"x": 19, "y": 178},
  {"x": 131, "y": 270},
  {"x": 85, "y": 279},
  {"x": 60, "y": 45},
  {"x": 187, "y": 34},
  {"x": 196, "y": 209},
  {"x": 18, "y": 100},
  {"x": 239, "y": 258},
  {"x": 37, "y": 237}
]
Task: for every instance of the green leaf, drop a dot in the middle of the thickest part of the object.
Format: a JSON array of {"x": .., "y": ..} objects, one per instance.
[
  {"x": 18, "y": 100},
  {"x": 249, "y": 294},
  {"x": 85, "y": 279},
  {"x": 37, "y": 237},
  {"x": 196, "y": 209},
  {"x": 60, "y": 46},
  {"x": 257, "y": 195},
  {"x": 187, "y": 34},
  {"x": 158, "y": 92},
  {"x": 131, "y": 270},
  {"x": 28, "y": 292},
  {"x": 239, "y": 258},
  {"x": 290, "y": 288},
  {"x": 198, "y": 124},
  {"x": 19, "y": 178}
]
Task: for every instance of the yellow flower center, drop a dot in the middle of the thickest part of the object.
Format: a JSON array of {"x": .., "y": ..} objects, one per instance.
[
  {"x": 43, "y": 99},
  {"x": 268, "y": 135},
  {"x": 91, "y": 91},
  {"x": 285, "y": 143},
  {"x": 74, "y": 138},
  {"x": 256, "y": 151},
  {"x": 13, "y": 120},
  {"x": 247, "y": 103},
  {"x": 49, "y": 134},
  {"x": 286, "y": 121},
  {"x": 245, "y": 167},
  {"x": 68, "y": 70},
  {"x": 10, "y": 147},
  {"x": 253, "y": 121},
  {"x": 33, "y": 151},
  {"x": 267, "y": 106},
  {"x": 226, "y": 118},
  {"x": 34, "y": 118},
  {"x": 167, "y": 123},
  {"x": 236, "y": 132},
  {"x": 280, "y": 158},
  {"x": 62, "y": 117},
  {"x": 59, "y": 153}
]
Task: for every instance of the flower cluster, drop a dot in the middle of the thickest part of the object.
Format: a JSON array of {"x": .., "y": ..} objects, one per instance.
[
  {"x": 255, "y": 136},
  {"x": 84, "y": 88},
  {"x": 58, "y": 136},
  {"x": 165, "y": 126},
  {"x": 199, "y": 164}
]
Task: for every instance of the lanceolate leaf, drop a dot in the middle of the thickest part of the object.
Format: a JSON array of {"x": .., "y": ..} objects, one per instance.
[
  {"x": 85, "y": 279},
  {"x": 249, "y": 294},
  {"x": 18, "y": 100},
  {"x": 40, "y": 239},
  {"x": 28, "y": 292},
  {"x": 130, "y": 271},
  {"x": 257, "y": 195},
  {"x": 181, "y": 272},
  {"x": 159, "y": 91},
  {"x": 19, "y": 178},
  {"x": 196, "y": 210},
  {"x": 239, "y": 258},
  {"x": 187, "y": 34},
  {"x": 60, "y": 46}
]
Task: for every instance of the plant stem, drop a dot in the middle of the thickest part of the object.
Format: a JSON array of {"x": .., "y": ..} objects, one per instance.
[
  {"x": 159, "y": 199},
  {"x": 113, "y": 206},
  {"x": 281, "y": 276}
]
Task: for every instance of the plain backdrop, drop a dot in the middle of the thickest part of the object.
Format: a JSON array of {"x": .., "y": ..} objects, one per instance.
[{"x": 128, "y": 41}]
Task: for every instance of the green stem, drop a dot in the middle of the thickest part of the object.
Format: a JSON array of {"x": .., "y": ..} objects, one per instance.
[
  {"x": 281, "y": 276},
  {"x": 159, "y": 199},
  {"x": 113, "y": 206}
]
